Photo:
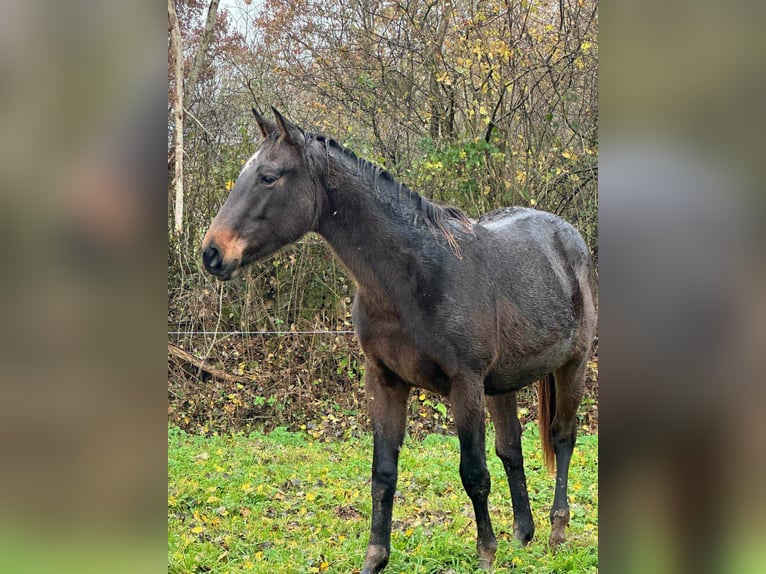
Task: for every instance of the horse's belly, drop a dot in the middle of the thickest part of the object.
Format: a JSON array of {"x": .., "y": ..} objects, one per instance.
[
  {"x": 515, "y": 370},
  {"x": 503, "y": 381}
]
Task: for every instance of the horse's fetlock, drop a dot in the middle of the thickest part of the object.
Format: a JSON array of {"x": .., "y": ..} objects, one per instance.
[{"x": 560, "y": 516}]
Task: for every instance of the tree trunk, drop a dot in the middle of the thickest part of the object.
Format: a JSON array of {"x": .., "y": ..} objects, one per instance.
[
  {"x": 204, "y": 44},
  {"x": 177, "y": 105}
]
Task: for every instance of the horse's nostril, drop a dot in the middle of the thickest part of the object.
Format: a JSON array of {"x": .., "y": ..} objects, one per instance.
[{"x": 211, "y": 257}]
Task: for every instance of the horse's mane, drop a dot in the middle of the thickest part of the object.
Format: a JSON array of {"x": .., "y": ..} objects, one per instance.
[{"x": 435, "y": 216}]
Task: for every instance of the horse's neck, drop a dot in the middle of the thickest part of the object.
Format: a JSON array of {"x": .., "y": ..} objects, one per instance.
[{"x": 377, "y": 249}]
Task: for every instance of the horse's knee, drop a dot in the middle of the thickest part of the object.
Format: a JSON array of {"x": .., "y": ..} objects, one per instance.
[
  {"x": 476, "y": 481},
  {"x": 510, "y": 456},
  {"x": 384, "y": 483}
]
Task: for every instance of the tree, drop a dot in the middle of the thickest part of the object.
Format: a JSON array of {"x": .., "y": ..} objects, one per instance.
[
  {"x": 181, "y": 90},
  {"x": 177, "y": 107}
]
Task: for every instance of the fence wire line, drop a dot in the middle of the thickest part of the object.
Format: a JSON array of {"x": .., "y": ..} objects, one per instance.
[{"x": 260, "y": 332}]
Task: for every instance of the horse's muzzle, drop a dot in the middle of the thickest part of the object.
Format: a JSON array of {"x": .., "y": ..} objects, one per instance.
[{"x": 213, "y": 260}]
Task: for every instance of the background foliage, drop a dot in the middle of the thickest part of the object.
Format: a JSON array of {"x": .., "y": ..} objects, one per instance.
[{"x": 478, "y": 104}]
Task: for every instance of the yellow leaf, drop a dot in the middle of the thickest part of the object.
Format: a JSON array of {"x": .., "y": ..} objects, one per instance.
[
  {"x": 229, "y": 185},
  {"x": 198, "y": 529},
  {"x": 324, "y": 566}
]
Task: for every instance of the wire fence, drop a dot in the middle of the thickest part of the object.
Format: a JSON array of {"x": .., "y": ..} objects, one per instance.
[{"x": 320, "y": 332}]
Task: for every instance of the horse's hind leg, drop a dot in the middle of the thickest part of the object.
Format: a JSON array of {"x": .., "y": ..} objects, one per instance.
[
  {"x": 508, "y": 449},
  {"x": 467, "y": 398},
  {"x": 570, "y": 383}
]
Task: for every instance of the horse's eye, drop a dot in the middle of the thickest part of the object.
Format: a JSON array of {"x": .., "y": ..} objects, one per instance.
[{"x": 267, "y": 179}]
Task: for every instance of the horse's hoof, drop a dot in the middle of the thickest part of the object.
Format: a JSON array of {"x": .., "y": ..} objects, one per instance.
[
  {"x": 559, "y": 522},
  {"x": 487, "y": 557},
  {"x": 375, "y": 560},
  {"x": 524, "y": 534},
  {"x": 556, "y": 538},
  {"x": 485, "y": 565}
]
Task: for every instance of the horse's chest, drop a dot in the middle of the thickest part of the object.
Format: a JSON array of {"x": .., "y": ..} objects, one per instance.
[{"x": 397, "y": 351}]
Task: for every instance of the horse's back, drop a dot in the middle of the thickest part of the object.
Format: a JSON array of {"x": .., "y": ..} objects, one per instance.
[
  {"x": 534, "y": 247},
  {"x": 529, "y": 227}
]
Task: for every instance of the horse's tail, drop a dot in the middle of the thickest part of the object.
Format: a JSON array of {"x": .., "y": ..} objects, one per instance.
[{"x": 546, "y": 405}]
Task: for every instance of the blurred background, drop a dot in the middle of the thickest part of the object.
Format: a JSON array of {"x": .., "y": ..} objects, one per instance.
[
  {"x": 93, "y": 262},
  {"x": 681, "y": 287},
  {"x": 82, "y": 298}
]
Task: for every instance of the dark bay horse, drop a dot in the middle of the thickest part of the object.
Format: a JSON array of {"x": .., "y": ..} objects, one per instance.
[{"x": 472, "y": 310}]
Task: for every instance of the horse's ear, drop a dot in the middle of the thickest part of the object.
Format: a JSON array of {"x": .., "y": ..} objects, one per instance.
[
  {"x": 267, "y": 127},
  {"x": 290, "y": 133}
]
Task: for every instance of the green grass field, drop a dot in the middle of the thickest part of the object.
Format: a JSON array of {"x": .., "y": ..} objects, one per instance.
[{"x": 285, "y": 503}]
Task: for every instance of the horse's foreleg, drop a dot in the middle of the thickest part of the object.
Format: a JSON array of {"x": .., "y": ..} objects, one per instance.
[
  {"x": 508, "y": 449},
  {"x": 569, "y": 390},
  {"x": 467, "y": 401},
  {"x": 388, "y": 411}
]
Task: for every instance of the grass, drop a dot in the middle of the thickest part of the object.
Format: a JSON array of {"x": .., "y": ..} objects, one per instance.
[{"x": 286, "y": 503}]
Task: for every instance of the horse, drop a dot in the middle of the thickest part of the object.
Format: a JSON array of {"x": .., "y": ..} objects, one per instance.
[{"x": 471, "y": 309}]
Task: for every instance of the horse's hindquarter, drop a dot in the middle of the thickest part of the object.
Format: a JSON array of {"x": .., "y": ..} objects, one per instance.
[{"x": 537, "y": 261}]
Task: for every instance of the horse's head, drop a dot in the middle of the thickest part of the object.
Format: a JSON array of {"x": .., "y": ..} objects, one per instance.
[{"x": 273, "y": 202}]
